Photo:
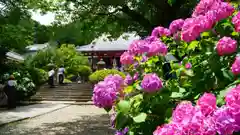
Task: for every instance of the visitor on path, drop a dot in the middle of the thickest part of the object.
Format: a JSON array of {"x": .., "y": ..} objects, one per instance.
[
  {"x": 61, "y": 71},
  {"x": 51, "y": 78},
  {"x": 10, "y": 90}
]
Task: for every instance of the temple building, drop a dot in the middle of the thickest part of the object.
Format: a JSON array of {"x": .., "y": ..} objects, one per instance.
[{"x": 106, "y": 51}]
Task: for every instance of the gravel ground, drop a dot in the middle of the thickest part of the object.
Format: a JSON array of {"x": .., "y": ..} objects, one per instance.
[{"x": 72, "y": 120}]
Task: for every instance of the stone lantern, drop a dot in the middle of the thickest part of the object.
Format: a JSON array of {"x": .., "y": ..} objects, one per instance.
[{"x": 101, "y": 64}]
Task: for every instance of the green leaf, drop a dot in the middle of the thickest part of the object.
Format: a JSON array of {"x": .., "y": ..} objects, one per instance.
[
  {"x": 121, "y": 120},
  {"x": 171, "y": 2},
  {"x": 205, "y": 34},
  {"x": 235, "y": 33},
  {"x": 189, "y": 72},
  {"x": 193, "y": 45},
  {"x": 168, "y": 115},
  {"x": 140, "y": 118},
  {"x": 131, "y": 133},
  {"x": 128, "y": 89},
  {"x": 124, "y": 106},
  {"x": 229, "y": 75},
  {"x": 176, "y": 95}
]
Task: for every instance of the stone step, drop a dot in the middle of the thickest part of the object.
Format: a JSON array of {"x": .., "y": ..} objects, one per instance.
[
  {"x": 48, "y": 90},
  {"x": 72, "y": 95},
  {"x": 62, "y": 99},
  {"x": 42, "y": 91},
  {"x": 45, "y": 87},
  {"x": 66, "y": 93},
  {"x": 63, "y": 96},
  {"x": 71, "y": 92}
]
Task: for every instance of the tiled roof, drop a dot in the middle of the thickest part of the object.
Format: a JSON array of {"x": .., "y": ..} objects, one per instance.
[
  {"x": 14, "y": 56},
  {"x": 120, "y": 44},
  {"x": 37, "y": 47}
]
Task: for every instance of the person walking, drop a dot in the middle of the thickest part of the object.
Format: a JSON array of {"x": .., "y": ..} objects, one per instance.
[
  {"x": 61, "y": 71},
  {"x": 51, "y": 78},
  {"x": 10, "y": 90}
]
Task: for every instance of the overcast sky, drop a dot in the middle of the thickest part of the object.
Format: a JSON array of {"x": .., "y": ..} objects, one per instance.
[{"x": 46, "y": 19}]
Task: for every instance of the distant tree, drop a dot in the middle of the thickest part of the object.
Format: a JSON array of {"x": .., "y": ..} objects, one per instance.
[
  {"x": 17, "y": 28},
  {"x": 92, "y": 18}
]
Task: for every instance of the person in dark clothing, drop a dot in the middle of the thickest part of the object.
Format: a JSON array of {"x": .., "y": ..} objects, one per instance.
[
  {"x": 10, "y": 90},
  {"x": 51, "y": 78}
]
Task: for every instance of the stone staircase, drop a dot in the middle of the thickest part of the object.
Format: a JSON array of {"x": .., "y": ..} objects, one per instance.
[{"x": 69, "y": 92}]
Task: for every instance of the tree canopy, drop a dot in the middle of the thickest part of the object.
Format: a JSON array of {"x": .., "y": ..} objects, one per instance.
[
  {"x": 18, "y": 30},
  {"x": 91, "y": 18}
]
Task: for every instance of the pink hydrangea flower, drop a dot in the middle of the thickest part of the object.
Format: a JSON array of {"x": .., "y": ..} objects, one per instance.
[
  {"x": 167, "y": 129},
  {"x": 205, "y": 15},
  {"x": 236, "y": 22},
  {"x": 103, "y": 95},
  {"x": 128, "y": 79},
  {"x": 151, "y": 83},
  {"x": 204, "y": 6},
  {"x": 127, "y": 58},
  {"x": 151, "y": 39},
  {"x": 195, "y": 124},
  {"x": 105, "y": 92},
  {"x": 138, "y": 47},
  {"x": 160, "y": 31},
  {"x": 156, "y": 48},
  {"x": 226, "y": 45},
  {"x": 233, "y": 102},
  {"x": 135, "y": 77},
  {"x": 222, "y": 9},
  {"x": 236, "y": 66},
  {"x": 208, "y": 127},
  {"x": 224, "y": 122},
  {"x": 207, "y": 103},
  {"x": 115, "y": 79},
  {"x": 188, "y": 65},
  {"x": 193, "y": 27},
  {"x": 176, "y": 25},
  {"x": 183, "y": 112}
]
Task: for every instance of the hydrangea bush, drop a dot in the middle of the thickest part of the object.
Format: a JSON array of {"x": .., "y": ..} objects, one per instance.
[{"x": 196, "y": 95}]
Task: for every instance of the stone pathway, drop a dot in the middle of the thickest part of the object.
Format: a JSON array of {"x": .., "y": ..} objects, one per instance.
[
  {"x": 24, "y": 112},
  {"x": 71, "y": 120}
]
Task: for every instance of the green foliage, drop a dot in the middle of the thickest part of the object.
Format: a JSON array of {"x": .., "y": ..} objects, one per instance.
[
  {"x": 84, "y": 71},
  {"x": 101, "y": 74},
  {"x": 91, "y": 19},
  {"x": 67, "y": 81},
  {"x": 39, "y": 76},
  {"x": 18, "y": 30},
  {"x": 73, "y": 62},
  {"x": 41, "y": 59}
]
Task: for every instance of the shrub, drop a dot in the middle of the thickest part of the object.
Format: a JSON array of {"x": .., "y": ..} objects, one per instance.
[
  {"x": 65, "y": 55},
  {"x": 207, "y": 76},
  {"x": 84, "y": 72},
  {"x": 39, "y": 76},
  {"x": 99, "y": 75},
  {"x": 67, "y": 81},
  {"x": 25, "y": 86}
]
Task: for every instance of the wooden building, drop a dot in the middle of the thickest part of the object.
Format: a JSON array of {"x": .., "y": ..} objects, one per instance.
[{"x": 107, "y": 51}]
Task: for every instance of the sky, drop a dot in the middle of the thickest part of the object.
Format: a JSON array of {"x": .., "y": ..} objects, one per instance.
[{"x": 46, "y": 19}]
